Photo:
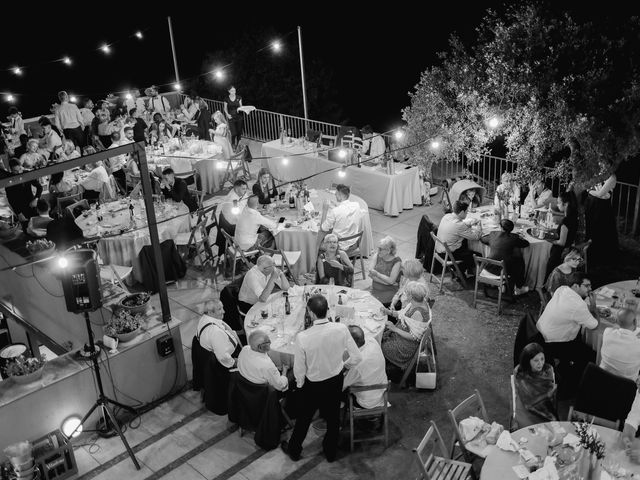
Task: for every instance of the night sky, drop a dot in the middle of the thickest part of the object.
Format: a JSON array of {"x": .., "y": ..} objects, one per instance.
[{"x": 377, "y": 53}]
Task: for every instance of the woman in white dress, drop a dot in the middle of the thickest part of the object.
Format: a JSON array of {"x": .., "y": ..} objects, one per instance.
[{"x": 221, "y": 134}]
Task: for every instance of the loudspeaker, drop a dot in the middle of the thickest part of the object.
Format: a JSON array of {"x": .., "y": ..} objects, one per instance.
[{"x": 81, "y": 281}]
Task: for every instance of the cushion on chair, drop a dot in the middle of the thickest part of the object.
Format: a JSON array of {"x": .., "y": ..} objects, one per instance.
[{"x": 488, "y": 275}]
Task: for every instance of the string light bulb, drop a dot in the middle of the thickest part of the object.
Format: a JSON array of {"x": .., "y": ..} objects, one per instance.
[
  {"x": 342, "y": 172},
  {"x": 235, "y": 210},
  {"x": 128, "y": 96},
  {"x": 177, "y": 86},
  {"x": 435, "y": 144},
  {"x": 17, "y": 71},
  {"x": 276, "y": 46},
  {"x": 285, "y": 160},
  {"x": 73, "y": 99},
  {"x": 218, "y": 74},
  {"x": 63, "y": 262},
  {"x": 139, "y": 34},
  {"x": 398, "y": 134},
  {"x": 105, "y": 48},
  {"x": 67, "y": 60},
  {"x": 10, "y": 98},
  {"x": 494, "y": 122},
  {"x": 342, "y": 153}
]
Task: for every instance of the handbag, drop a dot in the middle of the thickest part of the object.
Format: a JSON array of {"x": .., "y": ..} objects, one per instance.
[{"x": 426, "y": 368}]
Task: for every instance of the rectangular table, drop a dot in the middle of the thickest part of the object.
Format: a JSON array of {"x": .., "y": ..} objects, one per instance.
[{"x": 389, "y": 193}]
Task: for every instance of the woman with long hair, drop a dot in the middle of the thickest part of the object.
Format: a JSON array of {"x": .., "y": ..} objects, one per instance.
[
  {"x": 535, "y": 387},
  {"x": 566, "y": 231},
  {"x": 221, "y": 135},
  {"x": 265, "y": 188},
  {"x": 232, "y": 103}
]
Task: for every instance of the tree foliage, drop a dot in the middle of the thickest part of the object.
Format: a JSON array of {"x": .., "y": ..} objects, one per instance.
[{"x": 567, "y": 94}]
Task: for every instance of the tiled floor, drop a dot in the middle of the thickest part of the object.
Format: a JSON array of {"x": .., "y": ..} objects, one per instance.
[{"x": 181, "y": 440}]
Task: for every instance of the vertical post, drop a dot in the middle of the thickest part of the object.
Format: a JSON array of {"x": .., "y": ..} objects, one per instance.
[
  {"x": 636, "y": 211},
  {"x": 173, "y": 50},
  {"x": 147, "y": 191},
  {"x": 304, "y": 88}
]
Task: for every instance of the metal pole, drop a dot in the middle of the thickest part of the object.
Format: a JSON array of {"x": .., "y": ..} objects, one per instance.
[
  {"x": 147, "y": 190},
  {"x": 173, "y": 50},
  {"x": 304, "y": 88},
  {"x": 636, "y": 212}
]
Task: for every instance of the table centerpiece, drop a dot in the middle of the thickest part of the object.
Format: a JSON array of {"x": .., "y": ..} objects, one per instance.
[
  {"x": 124, "y": 325},
  {"x": 25, "y": 370}
]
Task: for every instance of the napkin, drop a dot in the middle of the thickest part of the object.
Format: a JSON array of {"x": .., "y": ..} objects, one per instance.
[
  {"x": 606, "y": 292},
  {"x": 470, "y": 427},
  {"x": 296, "y": 290},
  {"x": 547, "y": 472},
  {"x": 308, "y": 207},
  {"x": 571, "y": 439},
  {"x": 506, "y": 442}
]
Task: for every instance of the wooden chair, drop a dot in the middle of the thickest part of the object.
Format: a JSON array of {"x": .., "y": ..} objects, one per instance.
[
  {"x": 233, "y": 253},
  {"x": 520, "y": 416},
  {"x": 209, "y": 215},
  {"x": 84, "y": 204},
  {"x": 434, "y": 462},
  {"x": 472, "y": 406},
  {"x": 358, "y": 413},
  {"x": 354, "y": 252},
  {"x": 236, "y": 167},
  {"x": 328, "y": 140},
  {"x": 584, "y": 250},
  {"x": 487, "y": 278},
  {"x": 196, "y": 244},
  {"x": 283, "y": 260},
  {"x": 426, "y": 342},
  {"x": 63, "y": 202},
  {"x": 448, "y": 261},
  {"x": 577, "y": 416}
]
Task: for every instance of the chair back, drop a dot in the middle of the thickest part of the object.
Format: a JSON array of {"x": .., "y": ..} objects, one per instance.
[
  {"x": 437, "y": 255},
  {"x": 328, "y": 140},
  {"x": 367, "y": 412},
  {"x": 75, "y": 207},
  {"x": 481, "y": 263},
  {"x": 527, "y": 333},
  {"x": 356, "y": 245},
  {"x": 472, "y": 406},
  {"x": 578, "y": 416},
  {"x": 285, "y": 261},
  {"x": 430, "y": 448},
  {"x": 64, "y": 202},
  {"x": 584, "y": 250}
]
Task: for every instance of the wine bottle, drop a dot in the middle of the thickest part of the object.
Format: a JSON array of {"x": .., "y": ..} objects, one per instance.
[{"x": 287, "y": 305}]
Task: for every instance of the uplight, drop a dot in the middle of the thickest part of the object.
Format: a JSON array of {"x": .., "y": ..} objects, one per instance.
[
  {"x": 63, "y": 262},
  {"x": 72, "y": 427},
  {"x": 285, "y": 160},
  {"x": 342, "y": 153}
]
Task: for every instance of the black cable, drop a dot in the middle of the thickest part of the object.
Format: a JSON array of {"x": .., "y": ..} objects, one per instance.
[{"x": 42, "y": 286}]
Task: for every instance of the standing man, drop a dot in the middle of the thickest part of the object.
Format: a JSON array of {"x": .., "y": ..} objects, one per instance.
[
  {"x": 373, "y": 145},
  {"x": 342, "y": 220},
  {"x": 317, "y": 367},
  {"x": 140, "y": 127},
  {"x": 69, "y": 119}
]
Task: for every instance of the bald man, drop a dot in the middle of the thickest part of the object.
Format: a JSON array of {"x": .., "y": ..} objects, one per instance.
[
  {"x": 259, "y": 283},
  {"x": 250, "y": 223},
  {"x": 621, "y": 347},
  {"x": 256, "y": 366}
]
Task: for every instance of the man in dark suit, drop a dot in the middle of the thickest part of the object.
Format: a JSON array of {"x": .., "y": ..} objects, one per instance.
[
  {"x": 21, "y": 197},
  {"x": 176, "y": 189}
]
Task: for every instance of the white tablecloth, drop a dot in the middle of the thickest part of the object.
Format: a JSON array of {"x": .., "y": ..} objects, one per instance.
[
  {"x": 535, "y": 255},
  {"x": 389, "y": 193},
  {"x": 282, "y": 329},
  {"x": 123, "y": 249}
]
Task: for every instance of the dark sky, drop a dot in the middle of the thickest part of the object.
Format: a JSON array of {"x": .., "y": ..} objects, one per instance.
[{"x": 376, "y": 52}]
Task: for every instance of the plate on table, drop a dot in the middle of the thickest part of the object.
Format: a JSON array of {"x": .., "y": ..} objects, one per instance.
[
  {"x": 548, "y": 235},
  {"x": 604, "y": 312},
  {"x": 266, "y": 328}
]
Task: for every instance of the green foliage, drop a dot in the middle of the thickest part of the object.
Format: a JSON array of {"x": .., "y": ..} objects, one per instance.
[
  {"x": 567, "y": 94},
  {"x": 22, "y": 365}
]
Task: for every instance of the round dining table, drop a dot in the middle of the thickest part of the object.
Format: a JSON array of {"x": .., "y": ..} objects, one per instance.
[
  {"x": 499, "y": 464},
  {"x": 358, "y": 307},
  {"x": 121, "y": 244},
  {"x": 535, "y": 256}
]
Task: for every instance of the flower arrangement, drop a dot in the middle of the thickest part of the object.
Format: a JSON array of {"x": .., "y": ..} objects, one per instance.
[
  {"x": 22, "y": 365},
  {"x": 589, "y": 439},
  {"x": 39, "y": 245},
  {"x": 123, "y": 322}
]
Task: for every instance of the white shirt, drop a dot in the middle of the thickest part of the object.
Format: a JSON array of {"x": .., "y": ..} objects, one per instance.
[
  {"x": 377, "y": 146},
  {"x": 258, "y": 368},
  {"x": 318, "y": 351},
  {"x": 514, "y": 194},
  {"x": 633, "y": 417},
  {"x": 370, "y": 371},
  {"x": 228, "y": 205},
  {"x": 604, "y": 190},
  {"x": 87, "y": 116},
  {"x": 452, "y": 230},
  {"x": 343, "y": 220},
  {"x": 247, "y": 227},
  {"x": 159, "y": 104},
  {"x": 68, "y": 116},
  {"x": 219, "y": 338},
  {"x": 137, "y": 103},
  {"x": 96, "y": 179},
  {"x": 116, "y": 163},
  {"x": 563, "y": 316},
  {"x": 253, "y": 286},
  {"x": 620, "y": 352},
  {"x": 542, "y": 200}
]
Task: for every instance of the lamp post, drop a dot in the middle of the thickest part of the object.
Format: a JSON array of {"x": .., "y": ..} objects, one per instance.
[{"x": 304, "y": 89}]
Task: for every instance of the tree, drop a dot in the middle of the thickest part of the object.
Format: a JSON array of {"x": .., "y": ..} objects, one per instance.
[{"x": 567, "y": 95}]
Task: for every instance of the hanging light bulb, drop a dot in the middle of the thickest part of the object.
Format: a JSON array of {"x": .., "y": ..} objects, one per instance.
[
  {"x": 63, "y": 262},
  {"x": 276, "y": 46},
  {"x": 218, "y": 74},
  {"x": 435, "y": 144},
  {"x": 139, "y": 34},
  {"x": 67, "y": 60},
  {"x": 128, "y": 96},
  {"x": 398, "y": 134},
  {"x": 285, "y": 160},
  {"x": 10, "y": 98},
  {"x": 17, "y": 71},
  {"x": 177, "y": 86},
  {"x": 494, "y": 122},
  {"x": 342, "y": 172},
  {"x": 73, "y": 99},
  {"x": 235, "y": 209},
  {"x": 105, "y": 48},
  {"x": 342, "y": 153}
]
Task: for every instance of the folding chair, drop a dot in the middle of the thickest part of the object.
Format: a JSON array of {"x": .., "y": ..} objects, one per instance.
[
  {"x": 196, "y": 243},
  {"x": 434, "y": 462},
  {"x": 64, "y": 202},
  {"x": 236, "y": 167},
  {"x": 208, "y": 214},
  {"x": 425, "y": 341},
  {"x": 487, "y": 278},
  {"x": 283, "y": 259},
  {"x": 354, "y": 250},
  {"x": 577, "y": 416},
  {"x": 115, "y": 274},
  {"x": 472, "y": 406},
  {"x": 83, "y": 204},
  {"x": 584, "y": 250},
  {"x": 357, "y": 413},
  {"x": 233, "y": 253},
  {"x": 328, "y": 140},
  {"x": 448, "y": 261},
  {"x": 520, "y": 416}
]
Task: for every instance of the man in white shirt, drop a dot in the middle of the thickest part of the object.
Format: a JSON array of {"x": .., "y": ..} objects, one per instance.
[
  {"x": 236, "y": 194},
  {"x": 342, "y": 220},
  {"x": 116, "y": 164},
  {"x": 50, "y": 141},
  {"x": 219, "y": 338},
  {"x": 259, "y": 282},
  {"x": 317, "y": 367},
  {"x": 631, "y": 424},
  {"x": 155, "y": 102},
  {"x": 455, "y": 231},
  {"x": 370, "y": 371},
  {"x": 255, "y": 365},
  {"x": 135, "y": 101},
  {"x": 69, "y": 119},
  {"x": 373, "y": 144},
  {"x": 621, "y": 347},
  {"x": 248, "y": 224},
  {"x": 96, "y": 181}
]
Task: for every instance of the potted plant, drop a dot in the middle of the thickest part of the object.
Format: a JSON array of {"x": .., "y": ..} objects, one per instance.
[
  {"x": 124, "y": 325},
  {"x": 41, "y": 248},
  {"x": 135, "y": 302},
  {"x": 593, "y": 450},
  {"x": 26, "y": 369}
]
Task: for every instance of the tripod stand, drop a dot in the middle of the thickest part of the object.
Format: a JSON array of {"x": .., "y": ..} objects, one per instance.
[{"x": 103, "y": 401}]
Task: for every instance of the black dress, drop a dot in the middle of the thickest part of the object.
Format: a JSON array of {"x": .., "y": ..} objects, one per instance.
[
  {"x": 236, "y": 121},
  {"x": 505, "y": 246},
  {"x": 265, "y": 197},
  {"x": 204, "y": 124},
  {"x": 601, "y": 229},
  {"x": 556, "y": 253}
]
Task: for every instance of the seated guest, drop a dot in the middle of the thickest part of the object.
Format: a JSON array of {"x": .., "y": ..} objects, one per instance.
[
  {"x": 69, "y": 151},
  {"x": 203, "y": 119},
  {"x": 22, "y": 148},
  {"x": 471, "y": 196},
  {"x": 50, "y": 140},
  {"x": 115, "y": 165},
  {"x": 566, "y": 231},
  {"x": 236, "y": 194},
  {"x": 159, "y": 130},
  {"x": 370, "y": 371},
  {"x": 400, "y": 341},
  {"x": 21, "y": 197},
  {"x": 265, "y": 187},
  {"x": 455, "y": 231},
  {"x": 250, "y": 223},
  {"x": 59, "y": 187},
  {"x": 344, "y": 219},
  {"x": 620, "y": 350},
  {"x": 259, "y": 283},
  {"x": 16, "y": 123},
  {"x": 372, "y": 143},
  {"x": 386, "y": 271},
  {"x": 38, "y": 225},
  {"x": 221, "y": 135},
  {"x": 508, "y": 191},
  {"x": 535, "y": 386},
  {"x": 176, "y": 189},
  {"x": 139, "y": 127},
  {"x": 565, "y": 273},
  {"x": 506, "y": 246},
  {"x": 562, "y": 318},
  {"x": 412, "y": 271},
  {"x": 631, "y": 424},
  {"x": 96, "y": 182},
  {"x": 255, "y": 365},
  {"x": 539, "y": 196},
  {"x": 333, "y": 263},
  {"x": 33, "y": 157}
]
